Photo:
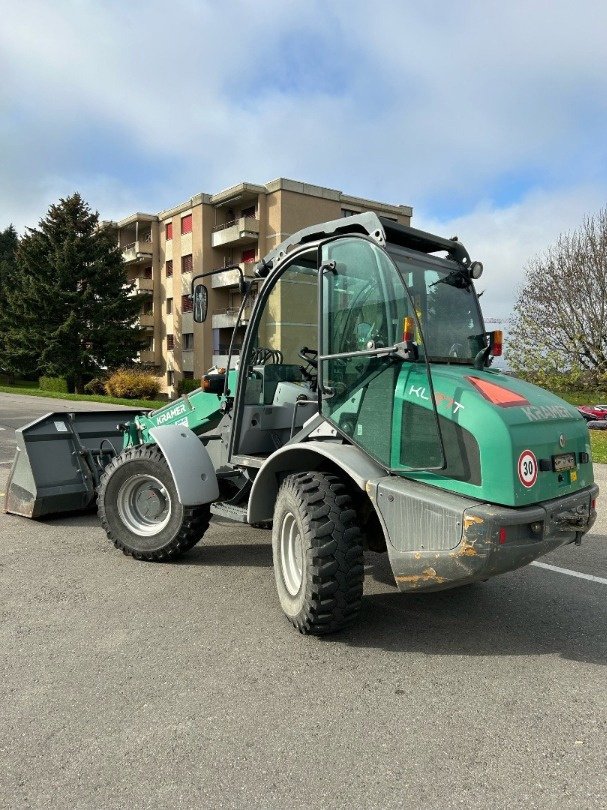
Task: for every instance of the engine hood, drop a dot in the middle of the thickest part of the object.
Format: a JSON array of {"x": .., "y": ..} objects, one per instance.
[{"x": 506, "y": 441}]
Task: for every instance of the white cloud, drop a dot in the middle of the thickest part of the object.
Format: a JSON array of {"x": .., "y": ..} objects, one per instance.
[{"x": 505, "y": 239}]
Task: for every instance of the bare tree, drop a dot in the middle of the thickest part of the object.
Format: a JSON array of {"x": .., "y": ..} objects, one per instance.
[{"x": 559, "y": 324}]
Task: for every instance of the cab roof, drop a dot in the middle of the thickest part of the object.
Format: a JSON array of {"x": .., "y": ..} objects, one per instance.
[{"x": 380, "y": 229}]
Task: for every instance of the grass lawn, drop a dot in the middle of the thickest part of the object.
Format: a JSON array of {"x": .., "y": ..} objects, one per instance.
[
  {"x": 37, "y": 392},
  {"x": 598, "y": 443}
]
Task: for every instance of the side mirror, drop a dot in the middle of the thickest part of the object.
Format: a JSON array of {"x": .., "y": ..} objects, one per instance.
[{"x": 201, "y": 302}]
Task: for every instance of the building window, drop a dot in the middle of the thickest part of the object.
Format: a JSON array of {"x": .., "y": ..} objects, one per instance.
[
  {"x": 248, "y": 212},
  {"x": 169, "y": 306},
  {"x": 147, "y": 272},
  {"x": 187, "y": 305},
  {"x": 186, "y": 263},
  {"x": 147, "y": 308},
  {"x": 188, "y": 341},
  {"x": 169, "y": 268},
  {"x": 169, "y": 230},
  {"x": 248, "y": 255},
  {"x": 186, "y": 224},
  {"x": 348, "y": 212},
  {"x": 170, "y": 342},
  {"x": 170, "y": 377}
]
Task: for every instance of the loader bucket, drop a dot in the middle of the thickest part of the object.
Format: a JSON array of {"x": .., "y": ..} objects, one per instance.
[{"x": 59, "y": 460}]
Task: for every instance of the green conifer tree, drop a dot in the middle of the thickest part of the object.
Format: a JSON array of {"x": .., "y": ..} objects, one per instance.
[
  {"x": 9, "y": 241},
  {"x": 70, "y": 311}
]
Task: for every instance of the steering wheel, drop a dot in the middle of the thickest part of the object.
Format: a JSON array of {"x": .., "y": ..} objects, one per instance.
[{"x": 309, "y": 355}]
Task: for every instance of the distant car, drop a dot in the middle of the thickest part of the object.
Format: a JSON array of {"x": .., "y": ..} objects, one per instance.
[{"x": 592, "y": 412}]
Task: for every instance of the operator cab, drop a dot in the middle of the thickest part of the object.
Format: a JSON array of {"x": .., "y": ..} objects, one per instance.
[{"x": 379, "y": 304}]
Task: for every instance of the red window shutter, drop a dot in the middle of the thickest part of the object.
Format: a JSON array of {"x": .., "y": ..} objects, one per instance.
[
  {"x": 186, "y": 263},
  {"x": 170, "y": 342},
  {"x": 169, "y": 268},
  {"x": 186, "y": 303},
  {"x": 248, "y": 255},
  {"x": 169, "y": 230},
  {"x": 186, "y": 224}
]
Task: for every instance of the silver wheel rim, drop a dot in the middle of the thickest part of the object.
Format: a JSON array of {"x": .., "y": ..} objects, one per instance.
[
  {"x": 144, "y": 505},
  {"x": 291, "y": 554}
]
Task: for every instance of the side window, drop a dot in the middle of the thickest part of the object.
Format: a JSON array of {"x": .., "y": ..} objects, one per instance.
[{"x": 287, "y": 324}]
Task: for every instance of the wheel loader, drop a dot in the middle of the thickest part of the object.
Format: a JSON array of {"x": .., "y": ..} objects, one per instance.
[{"x": 365, "y": 414}]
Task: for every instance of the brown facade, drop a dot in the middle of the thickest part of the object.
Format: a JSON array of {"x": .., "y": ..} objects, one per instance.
[{"x": 237, "y": 226}]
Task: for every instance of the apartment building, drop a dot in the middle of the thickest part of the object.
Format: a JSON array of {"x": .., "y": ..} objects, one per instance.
[{"x": 162, "y": 252}]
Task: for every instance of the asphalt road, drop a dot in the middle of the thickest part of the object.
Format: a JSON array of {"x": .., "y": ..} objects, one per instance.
[{"x": 182, "y": 685}]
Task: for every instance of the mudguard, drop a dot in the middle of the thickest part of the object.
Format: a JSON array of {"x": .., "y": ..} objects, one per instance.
[
  {"x": 189, "y": 463},
  {"x": 306, "y": 456}
]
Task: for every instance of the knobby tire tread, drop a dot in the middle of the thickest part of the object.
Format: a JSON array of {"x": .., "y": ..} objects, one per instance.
[
  {"x": 195, "y": 522},
  {"x": 336, "y": 569}
]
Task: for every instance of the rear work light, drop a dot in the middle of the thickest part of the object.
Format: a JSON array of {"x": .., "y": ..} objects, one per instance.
[
  {"x": 497, "y": 342},
  {"x": 408, "y": 329}
]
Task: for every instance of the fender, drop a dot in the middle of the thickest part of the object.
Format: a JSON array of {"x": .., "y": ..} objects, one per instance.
[
  {"x": 306, "y": 456},
  {"x": 189, "y": 463}
]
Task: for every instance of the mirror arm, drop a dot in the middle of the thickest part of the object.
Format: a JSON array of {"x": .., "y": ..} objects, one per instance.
[{"x": 242, "y": 284}]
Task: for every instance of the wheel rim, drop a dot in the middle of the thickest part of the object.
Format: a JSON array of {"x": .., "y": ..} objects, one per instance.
[
  {"x": 291, "y": 554},
  {"x": 144, "y": 505}
]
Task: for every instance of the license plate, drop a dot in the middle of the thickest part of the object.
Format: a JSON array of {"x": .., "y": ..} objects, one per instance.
[{"x": 566, "y": 461}]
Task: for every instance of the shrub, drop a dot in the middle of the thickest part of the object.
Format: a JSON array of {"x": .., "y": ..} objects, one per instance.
[
  {"x": 95, "y": 386},
  {"x": 187, "y": 386},
  {"x": 132, "y": 383},
  {"x": 59, "y": 384}
]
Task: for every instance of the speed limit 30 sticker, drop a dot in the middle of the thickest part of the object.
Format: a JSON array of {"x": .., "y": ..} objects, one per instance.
[{"x": 527, "y": 468}]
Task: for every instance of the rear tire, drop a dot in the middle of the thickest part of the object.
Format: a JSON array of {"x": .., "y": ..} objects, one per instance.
[
  {"x": 318, "y": 553},
  {"x": 140, "y": 510}
]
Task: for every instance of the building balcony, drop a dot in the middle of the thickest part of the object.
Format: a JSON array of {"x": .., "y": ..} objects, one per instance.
[
  {"x": 220, "y": 360},
  {"x": 231, "y": 278},
  {"x": 142, "y": 285},
  {"x": 137, "y": 252},
  {"x": 226, "y": 319},
  {"x": 146, "y": 356},
  {"x": 146, "y": 321},
  {"x": 240, "y": 231},
  {"x": 228, "y": 279},
  {"x": 187, "y": 360}
]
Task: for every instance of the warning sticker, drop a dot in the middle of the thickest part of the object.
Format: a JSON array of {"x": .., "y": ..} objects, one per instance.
[
  {"x": 61, "y": 427},
  {"x": 527, "y": 468}
]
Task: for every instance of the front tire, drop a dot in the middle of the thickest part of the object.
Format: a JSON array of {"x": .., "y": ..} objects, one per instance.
[
  {"x": 318, "y": 553},
  {"x": 140, "y": 510}
]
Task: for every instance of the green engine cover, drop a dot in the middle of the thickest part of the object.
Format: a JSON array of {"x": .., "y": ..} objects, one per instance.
[{"x": 506, "y": 441}]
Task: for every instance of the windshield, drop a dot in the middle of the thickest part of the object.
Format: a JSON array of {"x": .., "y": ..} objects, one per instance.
[{"x": 447, "y": 308}]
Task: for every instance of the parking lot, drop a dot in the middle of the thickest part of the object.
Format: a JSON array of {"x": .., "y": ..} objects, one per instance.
[{"x": 148, "y": 685}]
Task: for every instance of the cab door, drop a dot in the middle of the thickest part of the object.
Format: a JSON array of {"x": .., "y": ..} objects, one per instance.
[
  {"x": 364, "y": 303},
  {"x": 277, "y": 384}
]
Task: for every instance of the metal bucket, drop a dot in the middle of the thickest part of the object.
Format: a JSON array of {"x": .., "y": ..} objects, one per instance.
[{"x": 59, "y": 460}]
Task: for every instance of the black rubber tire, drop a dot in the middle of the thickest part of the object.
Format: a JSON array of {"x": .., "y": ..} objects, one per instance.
[
  {"x": 186, "y": 525},
  {"x": 331, "y": 589}
]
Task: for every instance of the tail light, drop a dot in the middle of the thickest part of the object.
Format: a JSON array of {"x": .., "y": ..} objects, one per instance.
[
  {"x": 497, "y": 343},
  {"x": 408, "y": 329}
]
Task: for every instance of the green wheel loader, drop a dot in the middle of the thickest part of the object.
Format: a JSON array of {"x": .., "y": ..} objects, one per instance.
[{"x": 364, "y": 414}]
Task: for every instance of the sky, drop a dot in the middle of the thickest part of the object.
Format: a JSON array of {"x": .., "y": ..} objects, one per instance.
[{"x": 488, "y": 118}]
